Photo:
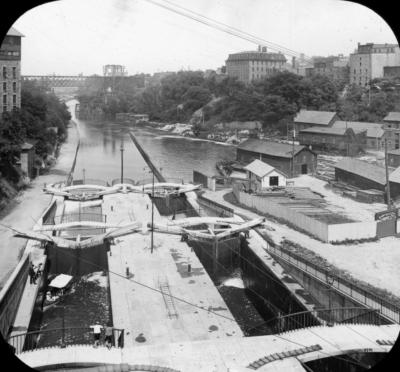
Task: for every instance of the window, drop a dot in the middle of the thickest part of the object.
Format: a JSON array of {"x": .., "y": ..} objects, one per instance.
[
  {"x": 14, "y": 72},
  {"x": 14, "y": 87},
  {"x": 14, "y": 99},
  {"x": 4, "y": 108},
  {"x": 4, "y": 87},
  {"x": 4, "y": 99},
  {"x": 4, "y": 72}
]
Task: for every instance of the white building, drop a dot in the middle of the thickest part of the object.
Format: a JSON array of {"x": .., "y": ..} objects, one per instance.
[
  {"x": 368, "y": 61},
  {"x": 262, "y": 175}
]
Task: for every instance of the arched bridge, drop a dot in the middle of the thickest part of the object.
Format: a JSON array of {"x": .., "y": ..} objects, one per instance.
[{"x": 285, "y": 352}]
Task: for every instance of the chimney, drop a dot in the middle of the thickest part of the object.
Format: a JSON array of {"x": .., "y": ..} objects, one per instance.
[
  {"x": 293, "y": 62},
  {"x": 264, "y": 49}
]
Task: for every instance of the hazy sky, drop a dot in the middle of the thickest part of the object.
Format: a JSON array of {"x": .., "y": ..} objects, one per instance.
[{"x": 80, "y": 36}]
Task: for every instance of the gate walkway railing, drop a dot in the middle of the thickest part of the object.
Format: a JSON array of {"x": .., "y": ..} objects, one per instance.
[
  {"x": 61, "y": 337},
  {"x": 326, "y": 317},
  {"x": 344, "y": 286}
]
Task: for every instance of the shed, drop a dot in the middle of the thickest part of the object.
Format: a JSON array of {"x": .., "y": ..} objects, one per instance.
[
  {"x": 360, "y": 174},
  {"x": 394, "y": 181},
  {"x": 27, "y": 159},
  {"x": 262, "y": 175},
  {"x": 308, "y": 118},
  {"x": 290, "y": 159},
  {"x": 394, "y": 158}
]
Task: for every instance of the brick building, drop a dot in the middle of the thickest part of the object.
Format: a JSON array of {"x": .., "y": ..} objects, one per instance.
[
  {"x": 281, "y": 156},
  {"x": 253, "y": 65},
  {"x": 10, "y": 73},
  {"x": 369, "y": 60},
  {"x": 336, "y": 68}
]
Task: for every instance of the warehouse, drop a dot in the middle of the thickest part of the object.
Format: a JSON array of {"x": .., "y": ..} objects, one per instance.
[{"x": 279, "y": 156}]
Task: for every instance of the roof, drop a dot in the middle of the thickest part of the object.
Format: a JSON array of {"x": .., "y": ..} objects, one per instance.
[
  {"x": 395, "y": 176},
  {"x": 256, "y": 56},
  {"x": 361, "y": 168},
  {"x": 60, "y": 281},
  {"x": 394, "y": 152},
  {"x": 314, "y": 117},
  {"x": 280, "y": 150},
  {"x": 260, "y": 168},
  {"x": 374, "y": 130},
  {"x": 335, "y": 131},
  {"x": 26, "y": 146},
  {"x": 14, "y": 32},
  {"x": 392, "y": 116}
]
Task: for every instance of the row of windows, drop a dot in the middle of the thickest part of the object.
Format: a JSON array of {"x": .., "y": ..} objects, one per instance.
[
  {"x": 5, "y": 99},
  {"x": 12, "y": 53},
  {"x": 14, "y": 87},
  {"x": 5, "y": 108},
  {"x": 14, "y": 72}
]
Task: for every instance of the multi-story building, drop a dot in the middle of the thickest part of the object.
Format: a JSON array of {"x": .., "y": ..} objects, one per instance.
[
  {"x": 10, "y": 73},
  {"x": 336, "y": 68},
  {"x": 253, "y": 65},
  {"x": 369, "y": 60},
  {"x": 391, "y": 127}
]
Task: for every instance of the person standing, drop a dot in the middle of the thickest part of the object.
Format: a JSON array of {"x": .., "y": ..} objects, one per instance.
[
  {"x": 32, "y": 274},
  {"x": 108, "y": 336},
  {"x": 96, "y": 331}
]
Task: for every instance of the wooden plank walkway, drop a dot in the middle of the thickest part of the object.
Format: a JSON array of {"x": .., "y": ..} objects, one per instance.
[{"x": 143, "y": 312}]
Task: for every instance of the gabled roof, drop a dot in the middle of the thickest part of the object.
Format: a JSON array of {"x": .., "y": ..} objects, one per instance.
[
  {"x": 314, "y": 117},
  {"x": 260, "y": 168},
  {"x": 14, "y": 32},
  {"x": 392, "y": 116},
  {"x": 280, "y": 150},
  {"x": 361, "y": 168},
  {"x": 374, "y": 130},
  {"x": 332, "y": 130},
  {"x": 395, "y": 176},
  {"x": 394, "y": 152}
]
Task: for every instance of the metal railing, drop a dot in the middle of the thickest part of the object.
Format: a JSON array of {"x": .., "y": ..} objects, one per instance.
[
  {"x": 326, "y": 317},
  {"x": 77, "y": 217},
  {"x": 61, "y": 337},
  {"x": 363, "y": 296},
  {"x": 90, "y": 181}
]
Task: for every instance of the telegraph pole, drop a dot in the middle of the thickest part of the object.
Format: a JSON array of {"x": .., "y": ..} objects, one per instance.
[
  {"x": 293, "y": 135},
  {"x": 387, "y": 177},
  {"x": 152, "y": 216},
  {"x": 122, "y": 160}
]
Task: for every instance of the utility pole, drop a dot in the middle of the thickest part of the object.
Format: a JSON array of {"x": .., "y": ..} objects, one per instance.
[
  {"x": 122, "y": 160},
  {"x": 293, "y": 135},
  {"x": 152, "y": 216},
  {"x": 387, "y": 177},
  {"x": 83, "y": 171}
]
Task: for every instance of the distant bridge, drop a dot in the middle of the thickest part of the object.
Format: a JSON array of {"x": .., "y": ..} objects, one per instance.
[{"x": 61, "y": 81}]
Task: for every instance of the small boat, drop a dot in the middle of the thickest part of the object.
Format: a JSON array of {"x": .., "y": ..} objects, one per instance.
[{"x": 56, "y": 289}]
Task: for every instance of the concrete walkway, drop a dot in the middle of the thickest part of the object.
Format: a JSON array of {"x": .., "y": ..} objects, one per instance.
[
  {"x": 272, "y": 353},
  {"x": 148, "y": 316}
]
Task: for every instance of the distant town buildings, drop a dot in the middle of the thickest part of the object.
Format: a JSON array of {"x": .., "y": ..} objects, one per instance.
[
  {"x": 10, "y": 74},
  {"x": 252, "y": 65},
  {"x": 336, "y": 68},
  {"x": 369, "y": 60},
  {"x": 324, "y": 131}
]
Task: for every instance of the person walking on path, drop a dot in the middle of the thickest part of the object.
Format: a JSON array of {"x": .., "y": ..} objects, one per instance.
[
  {"x": 96, "y": 331},
  {"x": 39, "y": 271},
  {"x": 32, "y": 274},
  {"x": 109, "y": 334}
]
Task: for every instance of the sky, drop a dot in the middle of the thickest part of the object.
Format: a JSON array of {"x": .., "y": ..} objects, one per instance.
[{"x": 69, "y": 37}]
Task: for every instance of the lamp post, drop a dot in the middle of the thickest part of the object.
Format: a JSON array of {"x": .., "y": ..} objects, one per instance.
[
  {"x": 152, "y": 210},
  {"x": 330, "y": 280},
  {"x": 122, "y": 160}
]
